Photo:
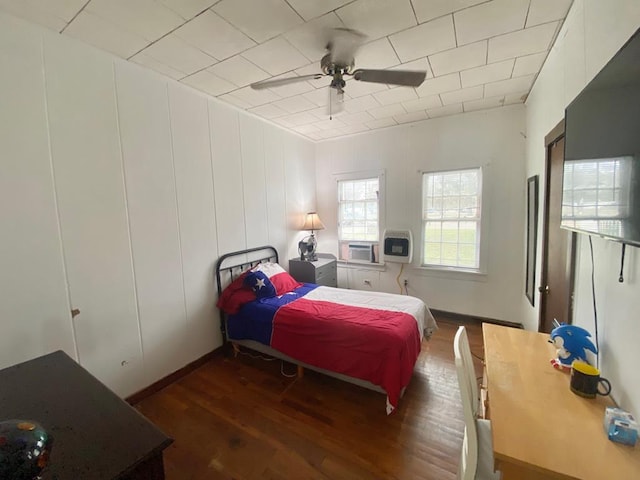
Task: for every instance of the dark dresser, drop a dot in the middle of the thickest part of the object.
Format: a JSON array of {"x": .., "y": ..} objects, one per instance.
[{"x": 96, "y": 435}]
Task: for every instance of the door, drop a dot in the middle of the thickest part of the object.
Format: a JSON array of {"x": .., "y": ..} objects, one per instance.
[{"x": 558, "y": 249}]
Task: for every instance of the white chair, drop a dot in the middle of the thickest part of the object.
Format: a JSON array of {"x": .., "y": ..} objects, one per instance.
[{"x": 476, "y": 459}]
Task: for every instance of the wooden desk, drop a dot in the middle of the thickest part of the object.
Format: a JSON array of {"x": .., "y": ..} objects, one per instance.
[
  {"x": 96, "y": 435},
  {"x": 541, "y": 429}
]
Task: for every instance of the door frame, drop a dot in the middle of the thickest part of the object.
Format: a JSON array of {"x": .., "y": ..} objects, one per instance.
[{"x": 550, "y": 139}]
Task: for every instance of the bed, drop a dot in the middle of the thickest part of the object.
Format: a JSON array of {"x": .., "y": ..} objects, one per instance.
[{"x": 371, "y": 339}]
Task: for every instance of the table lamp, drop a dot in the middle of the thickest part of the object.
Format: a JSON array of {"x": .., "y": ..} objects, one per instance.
[{"x": 307, "y": 246}]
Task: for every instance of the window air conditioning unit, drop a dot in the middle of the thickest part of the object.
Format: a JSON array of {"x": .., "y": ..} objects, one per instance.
[{"x": 362, "y": 252}]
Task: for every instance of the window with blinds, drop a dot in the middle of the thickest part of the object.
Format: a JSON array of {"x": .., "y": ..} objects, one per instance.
[{"x": 451, "y": 216}]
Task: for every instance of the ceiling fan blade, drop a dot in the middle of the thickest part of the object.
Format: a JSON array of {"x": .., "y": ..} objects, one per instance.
[
  {"x": 284, "y": 81},
  {"x": 392, "y": 77},
  {"x": 343, "y": 44}
]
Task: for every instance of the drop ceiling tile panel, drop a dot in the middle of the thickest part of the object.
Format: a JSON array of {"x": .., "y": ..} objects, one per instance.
[
  {"x": 302, "y": 118},
  {"x": 483, "y": 104},
  {"x": 214, "y": 35},
  {"x": 150, "y": 62},
  {"x": 294, "y": 104},
  {"x": 187, "y": 9},
  {"x": 524, "y": 42},
  {"x": 529, "y": 64},
  {"x": 387, "y": 111},
  {"x": 268, "y": 111},
  {"x": 436, "y": 85},
  {"x": 461, "y": 58},
  {"x": 305, "y": 129},
  {"x": 311, "y": 38},
  {"x": 233, "y": 100},
  {"x": 381, "y": 123},
  {"x": 239, "y": 71},
  {"x": 51, "y": 14},
  {"x": 179, "y": 55},
  {"x": 146, "y": 18},
  {"x": 276, "y": 56},
  {"x": 360, "y": 104},
  {"x": 378, "y": 18},
  {"x": 445, "y": 111},
  {"x": 330, "y": 133},
  {"x": 462, "y": 95},
  {"x": 426, "y": 39},
  {"x": 329, "y": 124},
  {"x": 411, "y": 117},
  {"x": 357, "y": 89},
  {"x": 432, "y": 101},
  {"x": 505, "y": 87},
  {"x": 356, "y": 118},
  {"x": 351, "y": 129},
  {"x": 313, "y": 136},
  {"x": 255, "y": 98},
  {"x": 260, "y": 20},
  {"x": 209, "y": 83},
  {"x": 309, "y": 9},
  {"x": 376, "y": 54},
  {"x": 100, "y": 33},
  {"x": 395, "y": 95},
  {"x": 318, "y": 97},
  {"x": 487, "y": 73},
  {"x": 490, "y": 19},
  {"x": 513, "y": 98},
  {"x": 543, "y": 11},
  {"x": 429, "y": 9}
]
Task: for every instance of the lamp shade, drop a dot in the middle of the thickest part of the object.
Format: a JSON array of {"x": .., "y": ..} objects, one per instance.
[{"x": 312, "y": 222}]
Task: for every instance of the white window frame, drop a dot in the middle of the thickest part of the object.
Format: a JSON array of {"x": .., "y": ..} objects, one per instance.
[
  {"x": 362, "y": 175},
  {"x": 482, "y": 222}
]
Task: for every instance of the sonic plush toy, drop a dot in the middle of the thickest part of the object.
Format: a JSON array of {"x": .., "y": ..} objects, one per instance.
[{"x": 570, "y": 342}]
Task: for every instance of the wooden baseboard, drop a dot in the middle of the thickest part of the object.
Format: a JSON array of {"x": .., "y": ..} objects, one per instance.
[
  {"x": 172, "y": 377},
  {"x": 461, "y": 317}
]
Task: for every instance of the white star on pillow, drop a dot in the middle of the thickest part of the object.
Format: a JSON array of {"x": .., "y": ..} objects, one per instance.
[{"x": 259, "y": 283}]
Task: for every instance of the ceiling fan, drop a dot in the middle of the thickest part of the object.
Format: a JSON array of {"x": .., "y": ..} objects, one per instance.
[{"x": 339, "y": 63}]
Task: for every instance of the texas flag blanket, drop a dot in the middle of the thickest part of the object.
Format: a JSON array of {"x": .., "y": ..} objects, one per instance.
[{"x": 372, "y": 336}]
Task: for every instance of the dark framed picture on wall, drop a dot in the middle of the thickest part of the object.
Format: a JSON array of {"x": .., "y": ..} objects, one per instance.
[{"x": 532, "y": 234}]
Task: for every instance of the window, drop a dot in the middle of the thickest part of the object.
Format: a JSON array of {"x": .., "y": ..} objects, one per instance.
[
  {"x": 596, "y": 194},
  {"x": 359, "y": 219},
  {"x": 451, "y": 214}
]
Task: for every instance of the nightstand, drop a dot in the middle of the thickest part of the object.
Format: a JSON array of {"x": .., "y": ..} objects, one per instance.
[{"x": 323, "y": 271}]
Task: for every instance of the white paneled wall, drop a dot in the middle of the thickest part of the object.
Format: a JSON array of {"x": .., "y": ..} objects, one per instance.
[
  {"x": 493, "y": 139},
  {"x": 143, "y": 110},
  {"x": 119, "y": 190},
  {"x": 227, "y": 177},
  {"x": 89, "y": 179},
  {"x": 591, "y": 35},
  {"x": 34, "y": 305},
  {"x": 196, "y": 216}
]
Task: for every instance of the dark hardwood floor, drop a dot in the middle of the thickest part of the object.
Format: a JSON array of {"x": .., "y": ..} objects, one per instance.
[{"x": 240, "y": 418}]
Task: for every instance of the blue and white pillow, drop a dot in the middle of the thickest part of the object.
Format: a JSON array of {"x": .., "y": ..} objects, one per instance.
[{"x": 259, "y": 282}]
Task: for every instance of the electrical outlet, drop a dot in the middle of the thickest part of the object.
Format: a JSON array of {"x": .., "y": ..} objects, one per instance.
[{"x": 406, "y": 282}]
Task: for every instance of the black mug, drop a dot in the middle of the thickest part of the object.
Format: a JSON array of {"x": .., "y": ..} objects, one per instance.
[{"x": 586, "y": 380}]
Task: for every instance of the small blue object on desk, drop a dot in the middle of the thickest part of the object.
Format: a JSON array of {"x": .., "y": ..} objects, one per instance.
[{"x": 621, "y": 426}]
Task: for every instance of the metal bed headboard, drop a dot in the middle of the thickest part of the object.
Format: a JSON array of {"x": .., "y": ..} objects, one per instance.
[{"x": 231, "y": 265}]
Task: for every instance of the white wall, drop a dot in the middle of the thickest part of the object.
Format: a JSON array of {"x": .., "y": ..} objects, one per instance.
[
  {"x": 119, "y": 189},
  {"x": 493, "y": 139},
  {"x": 593, "y": 32}
]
